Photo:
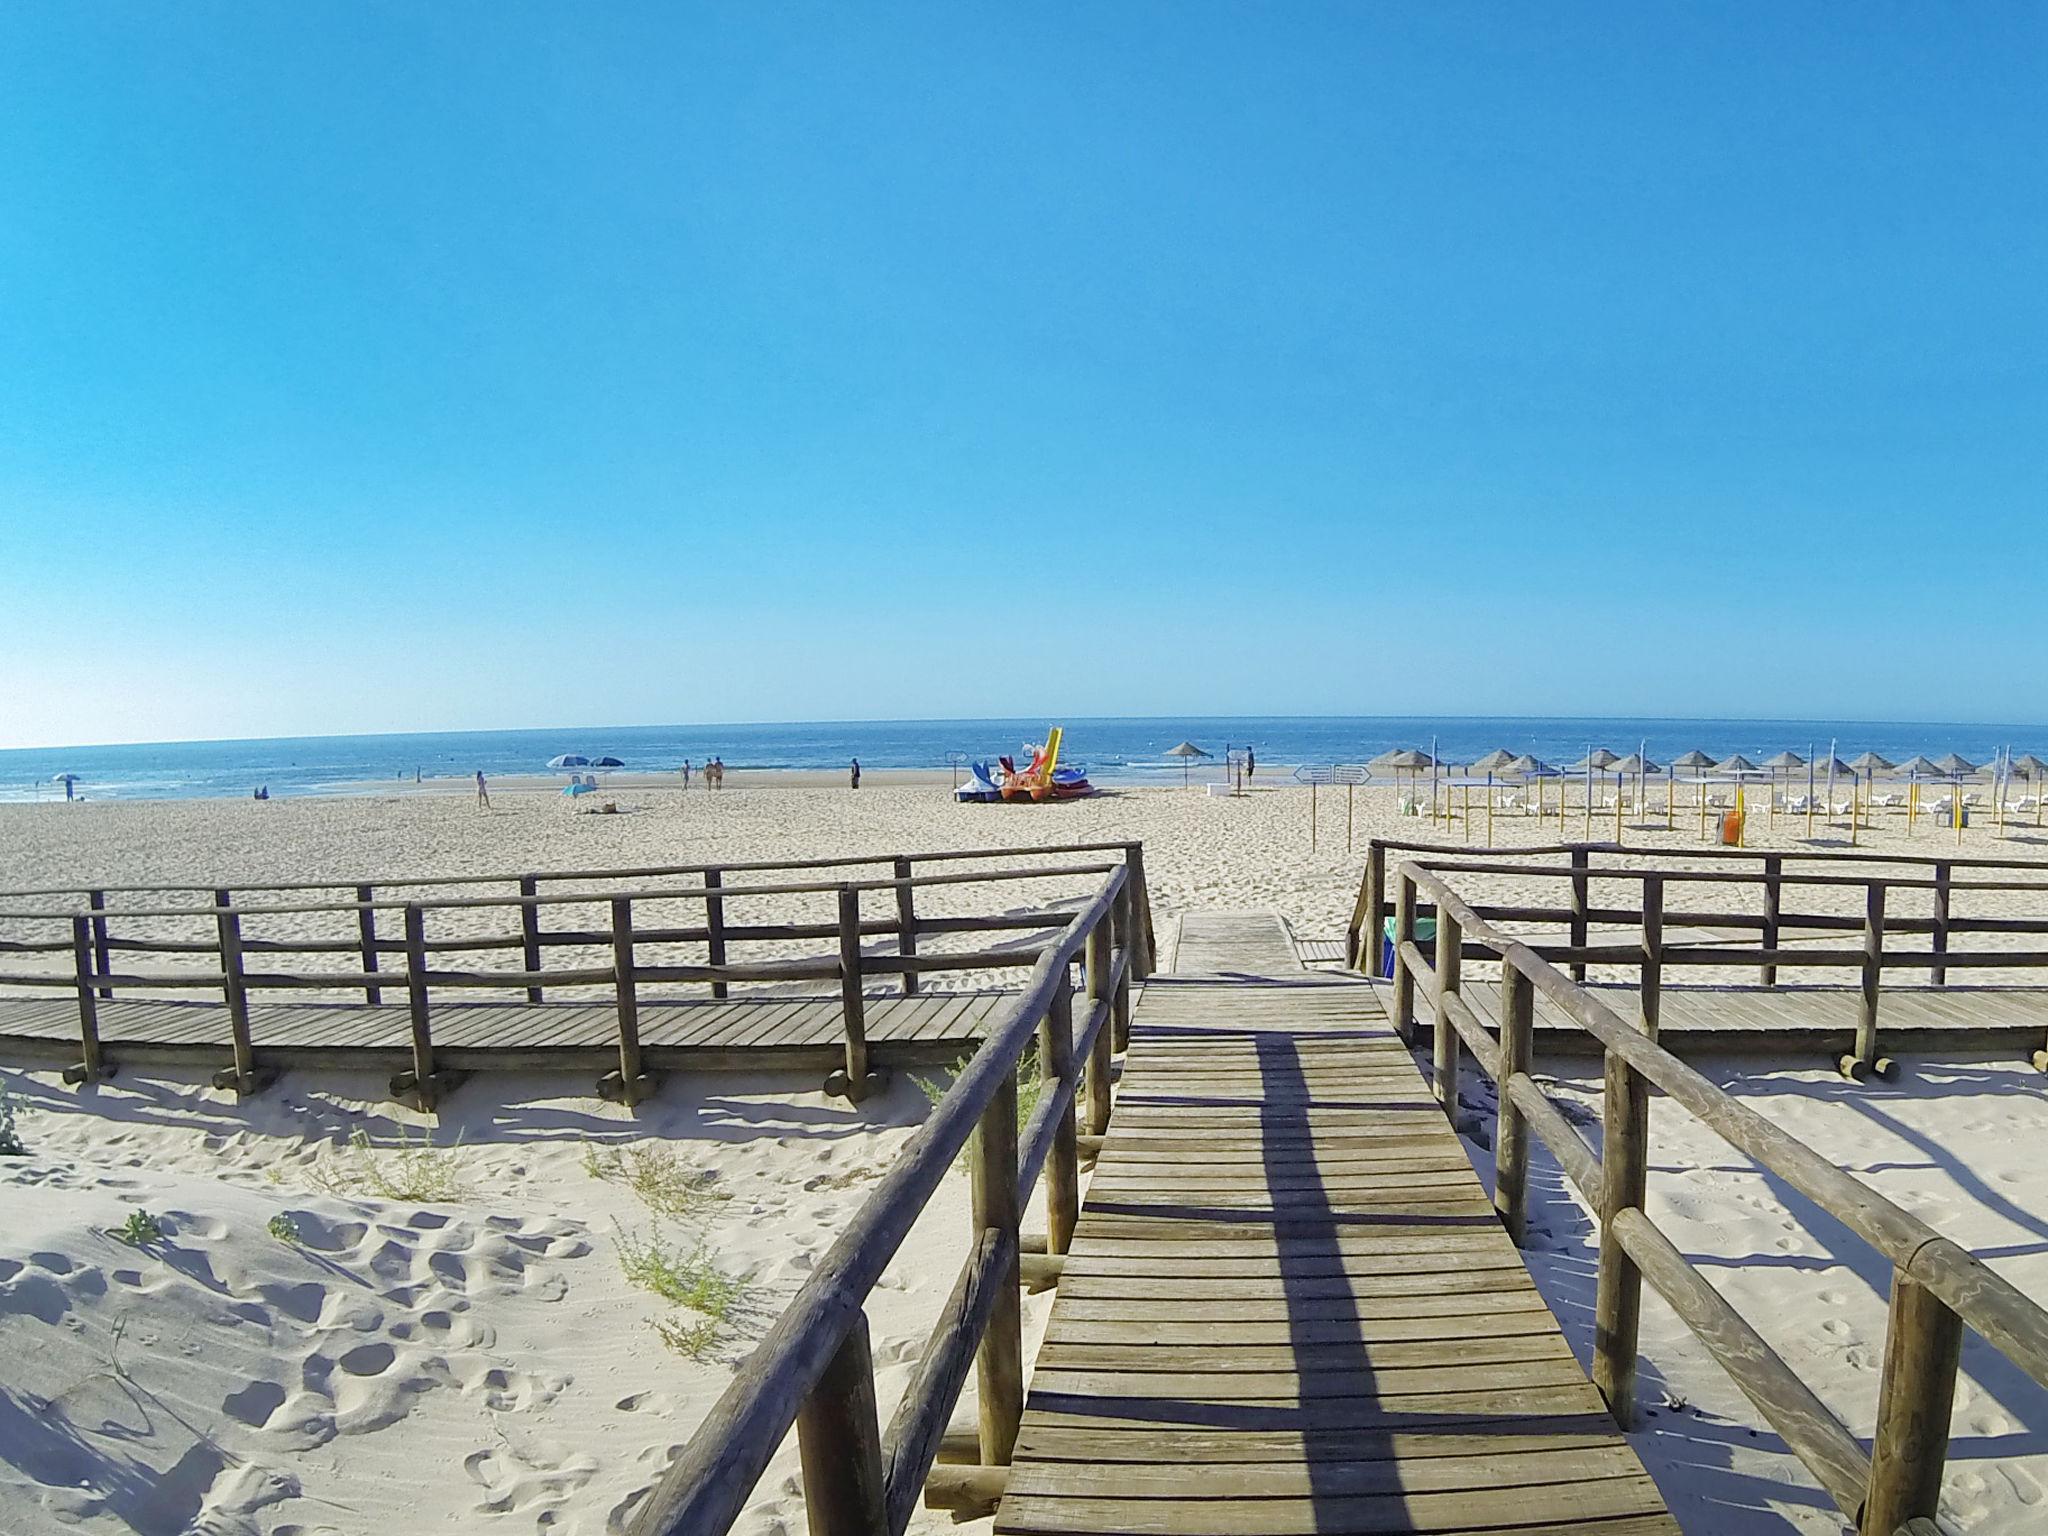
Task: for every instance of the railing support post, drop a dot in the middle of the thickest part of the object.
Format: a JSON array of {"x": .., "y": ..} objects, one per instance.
[
  {"x": 420, "y": 1082},
  {"x": 1404, "y": 979},
  {"x": 633, "y": 1083},
  {"x": 1511, "y": 1131},
  {"x": 906, "y": 922},
  {"x": 1650, "y": 992},
  {"x": 852, "y": 1081},
  {"x": 1062, "y": 1161},
  {"x": 839, "y": 1439},
  {"x": 999, "y": 1362},
  {"x": 1617, "y": 1303},
  {"x": 1365, "y": 954},
  {"x": 97, "y": 900},
  {"x": 366, "y": 939},
  {"x": 1581, "y": 890},
  {"x": 714, "y": 926},
  {"x": 1938, "y": 971},
  {"x": 529, "y": 929},
  {"x": 1774, "y": 872},
  {"x": 1923, "y": 1343},
  {"x": 1450, "y": 945},
  {"x": 228, "y": 923},
  {"x": 91, "y": 1067},
  {"x": 1100, "y": 961},
  {"x": 1124, "y": 914},
  {"x": 1865, "y": 1059},
  {"x": 1145, "y": 951}
]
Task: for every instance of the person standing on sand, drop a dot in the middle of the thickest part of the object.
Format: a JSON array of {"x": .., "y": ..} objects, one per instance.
[
  {"x": 856, "y": 773},
  {"x": 483, "y": 793},
  {"x": 686, "y": 773},
  {"x": 1251, "y": 764},
  {"x": 718, "y": 765}
]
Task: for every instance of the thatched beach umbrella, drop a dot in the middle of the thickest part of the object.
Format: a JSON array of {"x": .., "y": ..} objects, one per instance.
[
  {"x": 1786, "y": 763},
  {"x": 1402, "y": 760},
  {"x": 1957, "y": 768},
  {"x": 1595, "y": 761},
  {"x": 1916, "y": 770},
  {"x": 1187, "y": 752}
]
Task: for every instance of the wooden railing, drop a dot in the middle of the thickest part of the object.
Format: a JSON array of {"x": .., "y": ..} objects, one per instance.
[
  {"x": 91, "y": 943},
  {"x": 1876, "y": 923},
  {"x": 1937, "y": 1287},
  {"x": 814, "y": 1370}
]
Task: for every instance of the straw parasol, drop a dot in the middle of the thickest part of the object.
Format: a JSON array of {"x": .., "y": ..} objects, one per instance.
[
  {"x": 1869, "y": 763},
  {"x": 2033, "y": 770},
  {"x": 1493, "y": 762},
  {"x": 1187, "y": 752},
  {"x": 1954, "y": 766}
]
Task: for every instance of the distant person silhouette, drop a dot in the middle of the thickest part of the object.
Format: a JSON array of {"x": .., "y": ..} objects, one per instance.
[
  {"x": 1251, "y": 764},
  {"x": 856, "y": 773},
  {"x": 483, "y": 793}
]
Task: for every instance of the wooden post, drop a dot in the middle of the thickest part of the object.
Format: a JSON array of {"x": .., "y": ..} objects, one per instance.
[
  {"x": 1618, "y": 1300},
  {"x": 228, "y": 923},
  {"x": 714, "y": 922},
  {"x": 1651, "y": 990},
  {"x": 839, "y": 1440},
  {"x": 1404, "y": 979},
  {"x": 97, "y": 900},
  {"x": 1374, "y": 931},
  {"x": 1511, "y": 1132},
  {"x": 1581, "y": 884},
  {"x": 1311, "y": 815},
  {"x": 851, "y": 1081},
  {"x": 1450, "y": 944},
  {"x": 1774, "y": 870},
  {"x": 1923, "y": 1342},
  {"x": 999, "y": 1362},
  {"x": 91, "y": 1067},
  {"x": 1100, "y": 963},
  {"x": 1145, "y": 952},
  {"x": 1123, "y": 915},
  {"x": 626, "y": 987},
  {"x": 1350, "y": 792},
  {"x": 422, "y": 1084},
  {"x": 1938, "y": 972},
  {"x": 366, "y": 935},
  {"x": 529, "y": 929},
  {"x": 1865, "y": 1059},
  {"x": 906, "y": 922},
  {"x": 1062, "y": 1162}
]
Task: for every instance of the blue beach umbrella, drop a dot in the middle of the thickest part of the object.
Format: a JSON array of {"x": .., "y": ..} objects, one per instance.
[{"x": 569, "y": 760}]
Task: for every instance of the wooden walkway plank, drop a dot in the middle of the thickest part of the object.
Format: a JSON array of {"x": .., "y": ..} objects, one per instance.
[{"x": 1288, "y": 1308}]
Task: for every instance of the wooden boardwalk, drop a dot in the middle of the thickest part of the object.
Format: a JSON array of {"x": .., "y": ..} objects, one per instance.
[
  {"x": 698, "y": 1034},
  {"x": 1288, "y": 1308}
]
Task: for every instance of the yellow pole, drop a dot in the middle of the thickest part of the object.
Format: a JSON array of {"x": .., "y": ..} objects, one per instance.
[
  {"x": 1741, "y": 817},
  {"x": 1912, "y": 805},
  {"x": 1617, "y": 807}
]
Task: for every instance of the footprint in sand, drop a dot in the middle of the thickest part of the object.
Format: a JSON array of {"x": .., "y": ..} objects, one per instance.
[
  {"x": 526, "y": 1480},
  {"x": 646, "y": 1402},
  {"x": 255, "y": 1404},
  {"x": 190, "y": 1228}
]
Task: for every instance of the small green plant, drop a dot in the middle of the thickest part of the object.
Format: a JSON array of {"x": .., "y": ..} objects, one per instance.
[
  {"x": 284, "y": 1228},
  {"x": 1030, "y": 1089},
  {"x": 690, "y": 1280},
  {"x": 10, "y": 1138},
  {"x": 139, "y": 1229},
  {"x": 406, "y": 1170},
  {"x": 691, "y": 1340},
  {"x": 657, "y": 1176}
]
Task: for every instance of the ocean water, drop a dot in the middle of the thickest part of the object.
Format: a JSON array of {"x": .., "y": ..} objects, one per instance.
[{"x": 1114, "y": 751}]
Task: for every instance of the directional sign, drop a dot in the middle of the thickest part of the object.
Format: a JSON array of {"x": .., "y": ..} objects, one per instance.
[
  {"x": 1316, "y": 773},
  {"x": 1351, "y": 773}
]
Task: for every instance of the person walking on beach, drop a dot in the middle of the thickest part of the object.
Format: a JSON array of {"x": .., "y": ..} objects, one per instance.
[
  {"x": 483, "y": 793},
  {"x": 856, "y": 773}
]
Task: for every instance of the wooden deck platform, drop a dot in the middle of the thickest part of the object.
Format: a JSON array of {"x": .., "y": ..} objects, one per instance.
[
  {"x": 1289, "y": 1309},
  {"x": 801, "y": 1032}
]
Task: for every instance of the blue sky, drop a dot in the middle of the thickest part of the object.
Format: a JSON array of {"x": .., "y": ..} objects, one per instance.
[{"x": 392, "y": 367}]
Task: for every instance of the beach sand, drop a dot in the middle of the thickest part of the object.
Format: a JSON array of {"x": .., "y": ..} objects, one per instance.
[{"x": 482, "y": 1358}]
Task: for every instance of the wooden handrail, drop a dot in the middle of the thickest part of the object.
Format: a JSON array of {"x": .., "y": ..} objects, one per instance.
[
  {"x": 807, "y": 1372},
  {"x": 628, "y": 965},
  {"x": 1938, "y": 1287}
]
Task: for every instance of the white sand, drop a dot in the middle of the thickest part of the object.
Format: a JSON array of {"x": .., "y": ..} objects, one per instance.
[{"x": 414, "y": 1364}]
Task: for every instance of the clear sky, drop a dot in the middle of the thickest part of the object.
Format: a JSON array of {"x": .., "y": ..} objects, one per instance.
[{"x": 435, "y": 366}]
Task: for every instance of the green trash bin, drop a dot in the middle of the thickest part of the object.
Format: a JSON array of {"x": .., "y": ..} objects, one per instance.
[{"x": 1425, "y": 935}]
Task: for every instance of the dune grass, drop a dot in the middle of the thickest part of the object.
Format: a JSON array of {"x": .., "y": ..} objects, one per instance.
[
  {"x": 657, "y": 1176},
  {"x": 405, "y": 1170},
  {"x": 1030, "y": 1088},
  {"x": 140, "y": 1228},
  {"x": 10, "y": 1138},
  {"x": 690, "y": 1280}
]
